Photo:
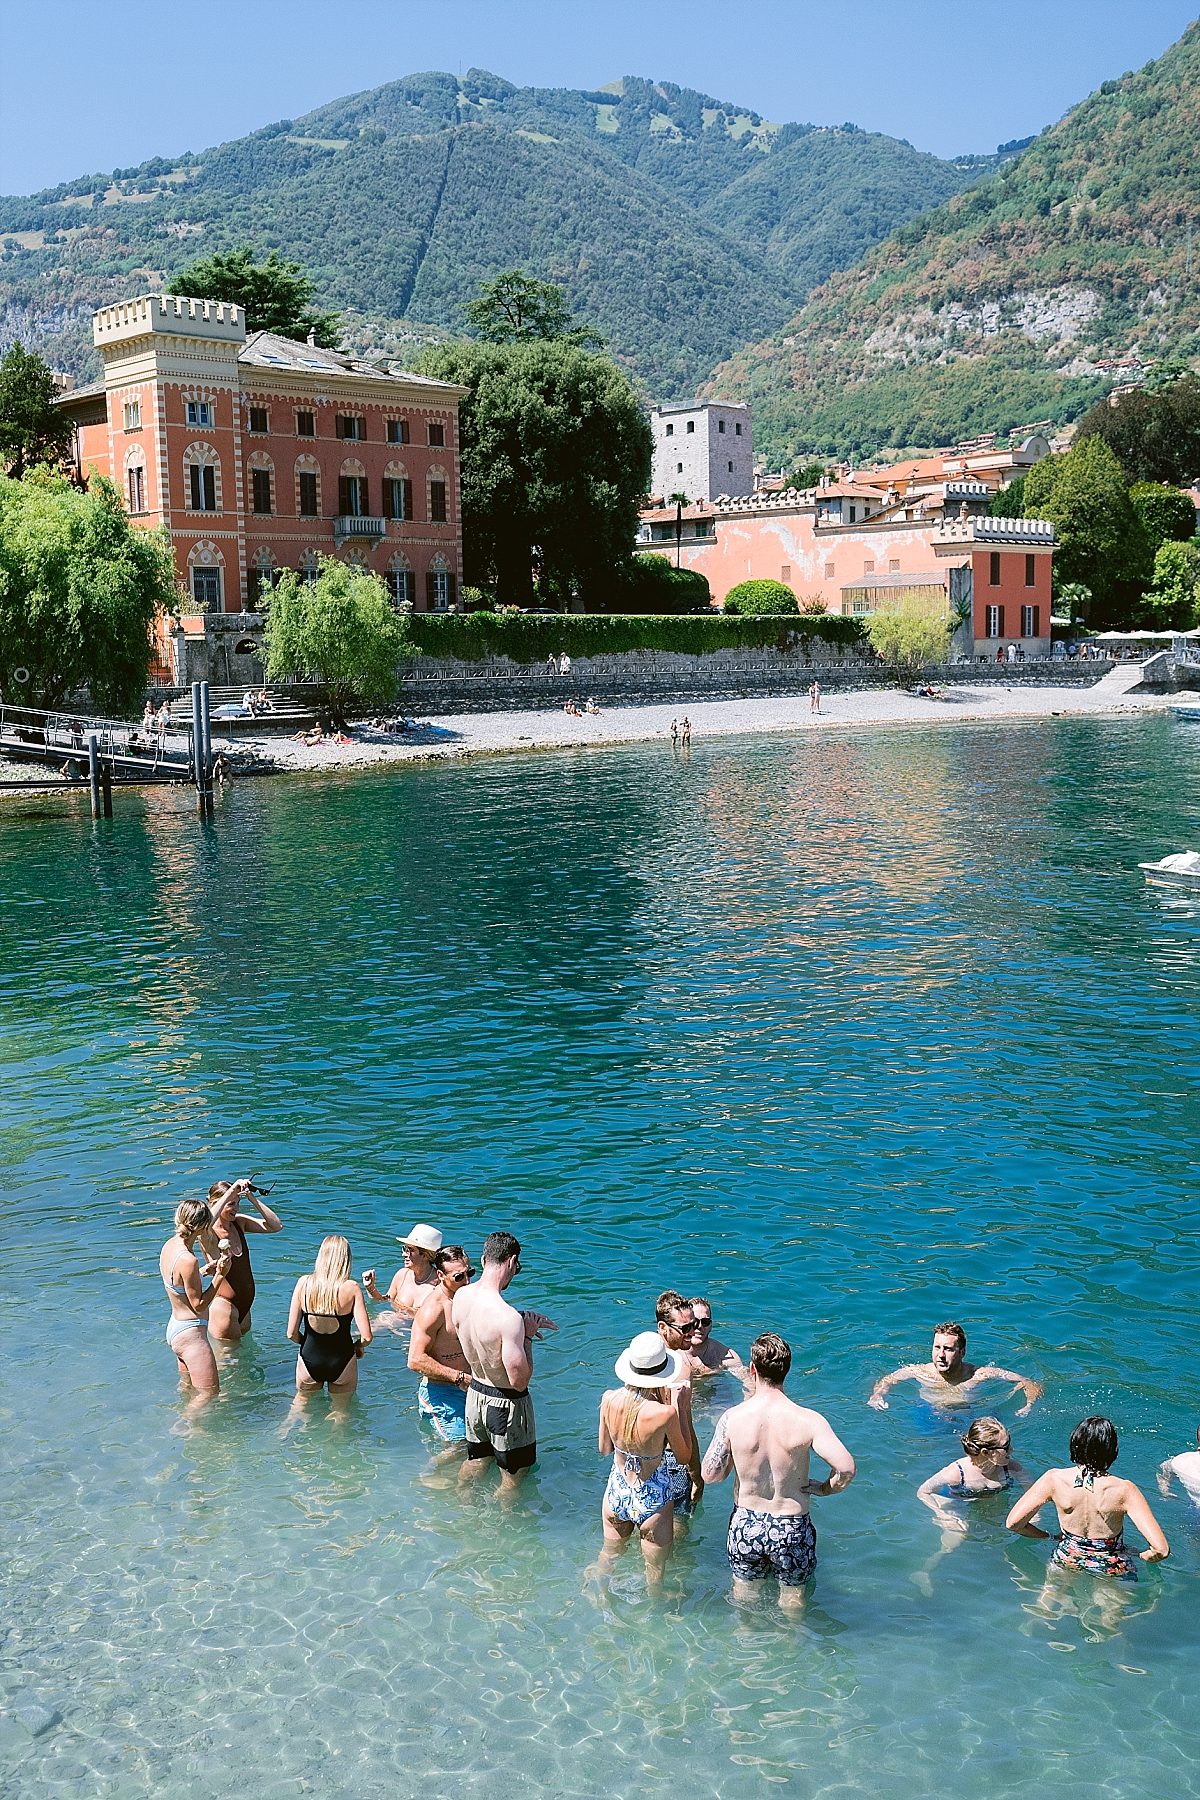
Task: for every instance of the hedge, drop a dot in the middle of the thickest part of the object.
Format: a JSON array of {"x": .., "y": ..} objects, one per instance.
[{"x": 531, "y": 638}]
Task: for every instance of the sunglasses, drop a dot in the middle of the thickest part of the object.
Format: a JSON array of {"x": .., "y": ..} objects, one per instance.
[
  {"x": 458, "y": 1274},
  {"x": 701, "y": 1324}
]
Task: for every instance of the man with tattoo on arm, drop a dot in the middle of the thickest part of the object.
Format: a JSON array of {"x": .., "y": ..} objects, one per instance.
[{"x": 766, "y": 1442}]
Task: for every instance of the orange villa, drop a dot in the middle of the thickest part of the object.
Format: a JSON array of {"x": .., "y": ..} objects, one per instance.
[
  {"x": 918, "y": 531},
  {"x": 260, "y": 453}
]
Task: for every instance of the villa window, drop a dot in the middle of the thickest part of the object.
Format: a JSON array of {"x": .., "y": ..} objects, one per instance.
[
  {"x": 397, "y": 431},
  {"x": 202, "y": 482},
  {"x": 199, "y": 412},
  {"x": 306, "y": 424},
  {"x": 133, "y": 415},
  {"x": 994, "y": 569},
  {"x": 691, "y": 426},
  {"x": 1030, "y": 619},
  {"x": 206, "y": 589},
  {"x": 397, "y": 498},
  {"x": 437, "y": 502},
  {"x": 350, "y": 426},
  {"x": 437, "y": 436},
  {"x": 260, "y": 484},
  {"x": 737, "y": 431},
  {"x": 1031, "y": 571},
  {"x": 402, "y": 585},
  {"x": 136, "y": 477},
  {"x": 720, "y": 424},
  {"x": 308, "y": 494},
  {"x": 995, "y": 621},
  {"x": 679, "y": 468},
  {"x": 439, "y": 590},
  {"x": 670, "y": 431},
  {"x": 352, "y": 496},
  {"x": 258, "y": 419}
]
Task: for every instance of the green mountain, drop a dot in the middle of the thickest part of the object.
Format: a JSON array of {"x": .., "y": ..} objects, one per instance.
[
  {"x": 681, "y": 227},
  {"x": 1021, "y": 299}
]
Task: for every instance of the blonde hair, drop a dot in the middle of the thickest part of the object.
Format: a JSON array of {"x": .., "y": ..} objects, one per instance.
[
  {"x": 191, "y": 1218},
  {"x": 985, "y": 1434},
  {"x": 331, "y": 1269},
  {"x": 635, "y": 1398}
]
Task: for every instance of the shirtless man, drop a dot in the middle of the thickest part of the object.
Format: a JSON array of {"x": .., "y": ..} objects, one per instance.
[
  {"x": 766, "y": 1441},
  {"x": 676, "y": 1327},
  {"x": 413, "y": 1281},
  {"x": 946, "y": 1374},
  {"x": 496, "y": 1341},
  {"x": 709, "y": 1355},
  {"x": 435, "y": 1354},
  {"x": 1186, "y": 1469}
]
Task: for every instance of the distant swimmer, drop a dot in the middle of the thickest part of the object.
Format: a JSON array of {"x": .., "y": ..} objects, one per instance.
[
  {"x": 229, "y": 1315},
  {"x": 708, "y": 1354},
  {"x": 947, "y": 1375},
  {"x": 766, "y": 1442},
  {"x": 414, "y": 1280},
  {"x": 1185, "y": 1468},
  {"x": 1092, "y": 1508},
  {"x": 325, "y": 1306},
  {"x": 987, "y": 1466},
  {"x": 637, "y": 1424},
  {"x": 435, "y": 1354},
  {"x": 187, "y": 1331},
  {"x": 497, "y": 1342}
]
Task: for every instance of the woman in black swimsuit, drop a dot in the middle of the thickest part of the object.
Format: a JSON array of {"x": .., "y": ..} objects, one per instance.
[
  {"x": 324, "y": 1306},
  {"x": 229, "y": 1315}
]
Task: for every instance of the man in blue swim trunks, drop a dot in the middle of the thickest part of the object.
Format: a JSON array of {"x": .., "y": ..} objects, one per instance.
[
  {"x": 435, "y": 1354},
  {"x": 766, "y": 1441}
]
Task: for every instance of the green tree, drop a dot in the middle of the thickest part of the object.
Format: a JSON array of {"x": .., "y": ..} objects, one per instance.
[
  {"x": 807, "y": 476},
  {"x": 649, "y": 584},
  {"x": 756, "y": 599},
  {"x": 555, "y": 457},
  {"x": 1155, "y": 434},
  {"x": 1172, "y": 601},
  {"x": 341, "y": 630},
  {"x": 1009, "y": 503},
  {"x": 80, "y": 591},
  {"x": 909, "y": 636},
  {"x": 1100, "y": 541},
  {"x": 1165, "y": 514},
  {"x": 516, "y": 309},
  {"x": 32, "y": 428},
  {"x": 275, "y": 295}
]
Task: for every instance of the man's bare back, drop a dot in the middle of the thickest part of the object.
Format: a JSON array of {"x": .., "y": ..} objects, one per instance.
[
  {"x": 492, "y": 1336},
  {"x": 768, "y": 1440}
]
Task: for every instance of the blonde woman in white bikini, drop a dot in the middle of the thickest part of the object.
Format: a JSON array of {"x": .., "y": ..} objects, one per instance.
[
  {"x": 187, "y": 1332},
  {"x": 637, "y": 1423}
]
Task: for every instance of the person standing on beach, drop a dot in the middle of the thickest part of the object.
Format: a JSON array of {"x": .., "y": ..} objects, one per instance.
[
  {"x": 497, "y": 1342},
  {"x": 685, "y": 733},
  {"x": 414, "y": 1280},
  {"x": 946, "y": 1375},
  {"x": 674, "y": 733},
  {"x": 435, "y": 1354},
  {"x": 814, "y": 697},
  {"x": 766, "y": 1442}
]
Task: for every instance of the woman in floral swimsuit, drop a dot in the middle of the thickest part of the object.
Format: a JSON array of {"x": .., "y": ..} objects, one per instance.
[
  {"x": 637, "y": 1423},
  {"x": 1092, "y": 1508}
]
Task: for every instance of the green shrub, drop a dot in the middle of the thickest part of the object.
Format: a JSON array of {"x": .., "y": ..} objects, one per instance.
[
  {"x": 649, "y": 584},
  {"x": 528, "y": 638},
  {"x": 760, "y": 599}
]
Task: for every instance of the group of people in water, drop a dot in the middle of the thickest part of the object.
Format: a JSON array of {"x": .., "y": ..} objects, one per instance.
[{"x": 473, "y": 1351}]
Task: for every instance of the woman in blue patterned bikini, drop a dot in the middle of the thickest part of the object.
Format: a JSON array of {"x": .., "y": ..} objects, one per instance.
[
  {"x": 637, "y": 1423},
  {"x": 1092, "y": 1509}
]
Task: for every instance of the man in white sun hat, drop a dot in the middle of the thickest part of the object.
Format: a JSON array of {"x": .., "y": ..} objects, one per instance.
[{"x": 414, "y": 1280}]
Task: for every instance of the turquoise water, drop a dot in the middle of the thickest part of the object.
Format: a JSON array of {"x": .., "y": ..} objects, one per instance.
[{"x": 850, "y": 1033}]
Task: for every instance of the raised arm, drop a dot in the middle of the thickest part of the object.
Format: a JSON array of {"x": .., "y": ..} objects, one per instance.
[
  {"x": 830, "y": 1448},
  {"x": 1020, "y": 1519},
  {"x": 885, "y": 1384},
  {"x": 1032, "y": 1390},
  {"x": 718, "y": 1458},
  {"x": 937, "y": 1503},
  {"x": 1137, "y": 1509},
  {"x": 267, "y": 1220},
  {"x": 372, "y": 1287}
]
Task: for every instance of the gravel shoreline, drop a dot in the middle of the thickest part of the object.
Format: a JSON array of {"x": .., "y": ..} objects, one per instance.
[{"x": 460, "y": 736}]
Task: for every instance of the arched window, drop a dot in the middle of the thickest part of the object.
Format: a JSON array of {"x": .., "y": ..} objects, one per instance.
[
  {"x": 261, "y": 479},
  {"x": 397, "y": 492},
  {"x": 439, "y": 585},
  {"x": 259, "y": 576},
  {"x": 135, "y": 479},
  {"x": 402, "y": 583},
  {"x": 202, "y": 478},
  {"x": 439, "y": 497},
  {"x": 205, "y": 576},
  {"x": 310, "y": 566},
  {"x": 308, "y": 487},
  {"x": 354, "y": 501}
]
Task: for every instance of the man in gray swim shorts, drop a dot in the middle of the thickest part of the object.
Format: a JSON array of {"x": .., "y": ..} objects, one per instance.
[
  {"x": 497, "y": 1342},
  {"x": 767, "y": 1441}
]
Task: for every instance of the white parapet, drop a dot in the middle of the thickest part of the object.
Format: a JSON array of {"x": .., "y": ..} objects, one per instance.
[{"x": 218, "y": 321}]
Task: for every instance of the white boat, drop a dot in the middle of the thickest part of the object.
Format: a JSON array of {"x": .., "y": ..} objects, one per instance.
[{"x": 1180, "y": 870}]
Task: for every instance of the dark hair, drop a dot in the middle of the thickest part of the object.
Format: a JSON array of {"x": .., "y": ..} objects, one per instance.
[
  {"x": 500, "y": 1246},
  {"x": 1093, "y": 1445},
  {"x": 447, "y": 1254},
  {"x": 669, "y": 1302},
  {"x": 950, "y": 1329},
  {"x": 771, "y": 1358}
]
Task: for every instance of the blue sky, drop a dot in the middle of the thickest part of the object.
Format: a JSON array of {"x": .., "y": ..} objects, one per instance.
[{"x": 98, "y": 87}]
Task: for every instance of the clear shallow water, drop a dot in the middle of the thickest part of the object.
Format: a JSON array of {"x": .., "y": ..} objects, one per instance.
[{"x": 851, "y": 1034}]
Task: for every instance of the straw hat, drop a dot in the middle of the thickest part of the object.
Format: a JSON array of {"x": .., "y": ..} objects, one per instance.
[
  {"x": 423, "y": 1237},
  {"x": 649, "y": 1364}
]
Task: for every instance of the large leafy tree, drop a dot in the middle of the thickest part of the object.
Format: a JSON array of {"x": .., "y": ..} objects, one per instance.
[
  {"x": 909, "y": 636},
  {"x": 275, "y": 295},
  {"x": 80, "y": 589},
  {"x": 1165, "y": 515},
  {"x": 1153, "y": 432},
  {"x": 555, "y": 455},
  {"x": 514, "y": 308},
  {"x": 32, "y": 428},
  {"x": 1172, "y": 601},
  {"x": 340, "y": 629},
  {"x": 1100, "y": 541}
]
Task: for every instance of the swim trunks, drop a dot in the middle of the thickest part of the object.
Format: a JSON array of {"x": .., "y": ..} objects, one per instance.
[
  {"x": 1094, "y": 1556},
  {"x": 445, "y": 1406},
  {"x": 500, "y": 1424},
  {"x": 681, "y": 1483},
  {"x": 632, "y": 1498},
  {"x": 779, "y": 1544}
]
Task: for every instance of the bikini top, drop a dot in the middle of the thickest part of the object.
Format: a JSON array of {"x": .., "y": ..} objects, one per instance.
[{"x": 959, "y": 1490}]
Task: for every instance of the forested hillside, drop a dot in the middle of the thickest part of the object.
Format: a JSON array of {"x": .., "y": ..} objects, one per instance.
[
  {"x": 1023, "y": 298},
  {"x": 680, "y": 226}
]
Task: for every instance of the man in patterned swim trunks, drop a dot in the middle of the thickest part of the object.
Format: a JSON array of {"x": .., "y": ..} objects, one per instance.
[
  {"x": 435, "y": 1354},
  {"x": 766, "y": 1442}
]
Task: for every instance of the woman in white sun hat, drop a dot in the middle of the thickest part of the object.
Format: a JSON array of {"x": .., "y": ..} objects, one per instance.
[
  {"x": 637, "y": 1421},
  {"x": 414, "y": 1281}
]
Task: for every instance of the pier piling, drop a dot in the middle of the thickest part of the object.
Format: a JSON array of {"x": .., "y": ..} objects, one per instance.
[
  {"x": 94, "y": 773},
  {"x": 106, "y": 788}
]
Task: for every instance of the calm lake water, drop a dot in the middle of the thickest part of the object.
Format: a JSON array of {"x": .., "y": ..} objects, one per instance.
[{"x": 850, "y": 1033}]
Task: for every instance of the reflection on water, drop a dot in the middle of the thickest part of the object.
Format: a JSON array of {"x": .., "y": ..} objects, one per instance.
[{"x": 850, "y": 1034}]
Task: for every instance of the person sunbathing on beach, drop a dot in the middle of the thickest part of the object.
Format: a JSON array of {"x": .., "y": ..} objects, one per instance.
[
  {"x": 1185, "y": 1468},
  {"x": 590, "y": 705},
  {"x": 946, "y": 1374}
]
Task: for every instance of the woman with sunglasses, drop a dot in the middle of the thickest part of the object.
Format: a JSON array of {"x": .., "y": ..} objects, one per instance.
[
  {"x": 435, "y": 1354},
  {"x": 229, "y": 1314},
  {"x": 986, "y": 1467}
]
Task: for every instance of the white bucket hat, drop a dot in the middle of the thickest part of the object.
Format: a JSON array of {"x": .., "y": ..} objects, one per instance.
[
  {"x": 423, "y": 1237},
  {"x": 649, "y": 1364}
]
